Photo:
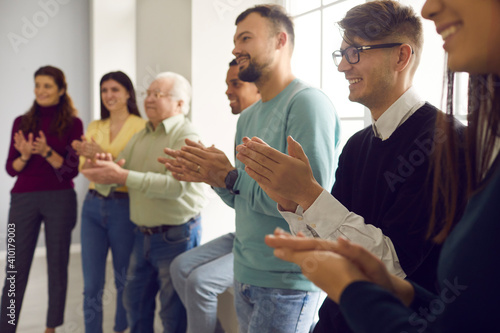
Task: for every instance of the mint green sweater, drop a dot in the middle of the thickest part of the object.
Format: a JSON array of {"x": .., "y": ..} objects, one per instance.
[{"x": 309, "y": 117}]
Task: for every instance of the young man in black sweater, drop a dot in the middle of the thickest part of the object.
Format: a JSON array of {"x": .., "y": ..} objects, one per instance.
[{"x": 381, "y": 196}]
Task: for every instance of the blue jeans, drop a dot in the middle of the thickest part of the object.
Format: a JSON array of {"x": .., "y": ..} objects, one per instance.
[
  {"x": 105, "y": 224},
  {"x": 149, "y": 273},
  {"x": 274, "y": 310},
  {"x": 199, "y": 276}
]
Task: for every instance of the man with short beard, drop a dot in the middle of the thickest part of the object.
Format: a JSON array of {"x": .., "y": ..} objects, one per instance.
[
  {"x": 270, "y": 295},
  {"x": 200, "y": 275}
]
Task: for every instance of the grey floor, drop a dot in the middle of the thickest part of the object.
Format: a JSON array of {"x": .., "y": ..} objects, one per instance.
[{"x": 33, "y": 312}]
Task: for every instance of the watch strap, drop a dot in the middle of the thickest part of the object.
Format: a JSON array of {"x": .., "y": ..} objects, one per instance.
[
  {"x": 49, "y": 153},
  {"x": 230, "y": 180}
]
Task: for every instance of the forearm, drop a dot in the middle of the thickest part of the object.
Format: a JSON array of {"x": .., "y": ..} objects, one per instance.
[
  {"x": 156, "y": 185},
  {"x": 327, "y": 218},
  {"x": 19, "y": 163},
  {"x": 55, "y": 160}
]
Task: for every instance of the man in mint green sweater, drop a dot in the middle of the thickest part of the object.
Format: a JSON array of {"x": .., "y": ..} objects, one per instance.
[{"x": 270, "y": 295}]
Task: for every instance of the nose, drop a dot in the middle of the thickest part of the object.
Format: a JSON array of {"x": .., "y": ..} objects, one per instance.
[
  {"x": 431, "y": 8},
  {"x": 344, "y": 65},
  {"x": 236, "y": 50}
]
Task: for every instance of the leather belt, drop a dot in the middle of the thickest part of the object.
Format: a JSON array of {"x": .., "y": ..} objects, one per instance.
[
  {"x": 155, "y": 230},
  {"x": 162, "y": 228},
  {"x": 112, "y": 195}
]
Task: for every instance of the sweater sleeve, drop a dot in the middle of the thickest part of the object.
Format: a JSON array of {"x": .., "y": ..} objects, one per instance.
[
  {"x": 69, "y": 168},
  {"x": 369, "y": 308},
  {"x": 13, "y": 153}
]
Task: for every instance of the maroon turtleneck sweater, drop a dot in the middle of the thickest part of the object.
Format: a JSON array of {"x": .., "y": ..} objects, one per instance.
[{"x": 38, "y": 174}]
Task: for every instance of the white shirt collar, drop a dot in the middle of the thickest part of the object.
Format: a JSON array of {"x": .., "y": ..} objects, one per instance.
[{"x": 397, "y": 114}]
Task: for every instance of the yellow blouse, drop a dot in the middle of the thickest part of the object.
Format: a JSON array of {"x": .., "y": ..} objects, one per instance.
[{"x": 100, "y": 131}]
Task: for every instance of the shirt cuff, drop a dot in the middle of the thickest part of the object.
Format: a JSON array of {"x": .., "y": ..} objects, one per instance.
[
  {"x": 134, "y": 179},
  {"x": 103, "y": 190}
]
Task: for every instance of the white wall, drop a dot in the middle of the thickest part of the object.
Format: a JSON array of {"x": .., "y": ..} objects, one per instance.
[
  {"x": 212, "y": 42},
  {"x": 193, "y": 38},
  {"x": 34, "y": 34},
  {"x": 163, "y": 40},
  {"x": 113, "y": 43}
]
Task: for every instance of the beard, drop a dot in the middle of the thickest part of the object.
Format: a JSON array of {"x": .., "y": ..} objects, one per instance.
[{"x": 250, "y": 74}]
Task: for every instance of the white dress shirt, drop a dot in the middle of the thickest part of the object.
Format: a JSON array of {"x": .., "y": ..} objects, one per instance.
[{"x": 327, "y": 218}]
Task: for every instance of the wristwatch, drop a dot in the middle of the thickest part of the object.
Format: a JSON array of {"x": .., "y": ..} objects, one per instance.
[
  {"x": 49, "y": 153},
  {"x": 230, "y": 180}
]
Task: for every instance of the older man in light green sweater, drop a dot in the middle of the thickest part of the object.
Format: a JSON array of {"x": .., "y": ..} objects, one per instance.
[{"x": 165, "y": 210}]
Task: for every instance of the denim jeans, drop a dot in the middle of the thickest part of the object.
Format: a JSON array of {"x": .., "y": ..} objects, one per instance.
[
  {"x": 105, "y": 224},
  {"x": 149, "y": 273},
  {"x": 274, "y": 310},
  {"x": 199, "y": 276}
]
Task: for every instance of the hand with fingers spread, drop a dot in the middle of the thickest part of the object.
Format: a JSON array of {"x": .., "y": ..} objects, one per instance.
[
  {"x": 197, "y": 163},
  {"x": 40, "y": 146},
  {"x": 333, "y": 265},
  {"x": 23, "y": 146},
  {"x": 86, "y": 148},
  {"x": 285, "y": 178}
]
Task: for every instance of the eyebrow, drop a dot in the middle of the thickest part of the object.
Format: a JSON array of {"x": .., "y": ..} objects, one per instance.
[{"x": 240, "y": 34}]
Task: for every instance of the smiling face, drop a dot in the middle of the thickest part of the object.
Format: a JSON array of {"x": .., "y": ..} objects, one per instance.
[
  {"x": 470, "y": 31},
  {"x": 253, "y": 47},
  {"x": 371, "y": 78},
  {"x": 47, "y": 93},
  {"x": 114, "y": 96},
  {"x": 162, "y": 107},
  {"x": 240, "y": 94}
]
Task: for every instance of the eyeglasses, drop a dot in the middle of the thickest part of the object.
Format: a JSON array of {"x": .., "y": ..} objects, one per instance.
[
  {"x": 352, "y": 52},
  {"x": 157, "y": 94}
]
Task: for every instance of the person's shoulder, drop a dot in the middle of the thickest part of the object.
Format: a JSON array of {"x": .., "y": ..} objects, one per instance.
[
  {"x": 309, "y": 94},
  {"x": 249, "y": 111},
  {"x": 186, "y": 127},
  {"x": 18, "y": 120},
  {"x": 136, "y": 119},
  {"x": 136, "y": 122},
  {"x": 77, "y": 122},
  {"x": 366, "y": 132}
]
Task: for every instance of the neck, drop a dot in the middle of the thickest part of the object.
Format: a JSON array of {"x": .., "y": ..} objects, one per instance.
[
  {"x": 381, "y": 106},
  {"x": 119, "y": 115},
  {"x": 275, "y": 81}
]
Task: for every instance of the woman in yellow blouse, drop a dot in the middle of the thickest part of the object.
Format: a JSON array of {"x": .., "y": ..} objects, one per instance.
[{"x": 105, "y": 220}]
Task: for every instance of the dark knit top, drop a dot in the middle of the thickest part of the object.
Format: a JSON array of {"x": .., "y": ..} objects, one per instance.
[
  {"x": 389, "y": 185},
  {"x": 38, "y": 174},
  {"x": 468, "y": 275}
]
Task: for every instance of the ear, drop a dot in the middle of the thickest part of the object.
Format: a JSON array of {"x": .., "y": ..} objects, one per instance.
[
  {"x": 61, "y": 92},
  {"x": 180, "y": 103},
  {"x": 282, "y": 39},
  {"x": 405, "y": 53}
]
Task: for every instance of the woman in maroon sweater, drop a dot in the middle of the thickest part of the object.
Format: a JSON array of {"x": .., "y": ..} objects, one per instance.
[{"x": 45, "y": 164}]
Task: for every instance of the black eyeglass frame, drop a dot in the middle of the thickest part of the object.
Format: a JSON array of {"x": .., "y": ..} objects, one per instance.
[{"x": 339, "y": 54}]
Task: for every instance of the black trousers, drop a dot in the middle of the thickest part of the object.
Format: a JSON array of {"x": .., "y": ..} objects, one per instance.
[{"x": 57, "y": 210}]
